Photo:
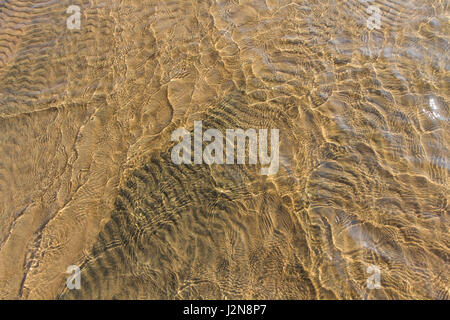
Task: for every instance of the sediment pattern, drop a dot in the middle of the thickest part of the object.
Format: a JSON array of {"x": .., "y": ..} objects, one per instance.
[{"x": 86, "y": 176}]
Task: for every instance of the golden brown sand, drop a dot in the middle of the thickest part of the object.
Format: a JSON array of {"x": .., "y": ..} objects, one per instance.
[{"x": 86, "y": 176}]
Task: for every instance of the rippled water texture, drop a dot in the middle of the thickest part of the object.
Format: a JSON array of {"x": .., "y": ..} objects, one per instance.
[{"x": 86, "y": 177}]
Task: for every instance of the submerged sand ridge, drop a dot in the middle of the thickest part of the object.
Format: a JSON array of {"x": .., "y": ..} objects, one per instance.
[{"x": 87, "y": 179}]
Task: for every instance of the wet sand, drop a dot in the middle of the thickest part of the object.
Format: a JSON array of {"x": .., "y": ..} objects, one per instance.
[{"x": 86, "y": 176}]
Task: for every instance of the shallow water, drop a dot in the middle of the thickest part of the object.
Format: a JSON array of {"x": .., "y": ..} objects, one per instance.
[{"x": 87, "y": 179}]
